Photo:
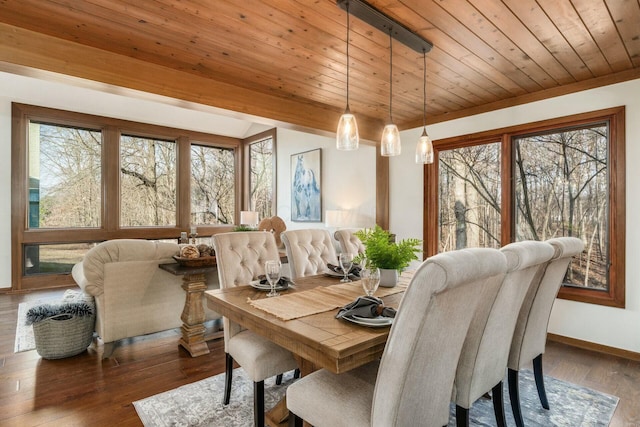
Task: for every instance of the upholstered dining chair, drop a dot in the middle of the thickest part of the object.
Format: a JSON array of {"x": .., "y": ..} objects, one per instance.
[
  {"x": 309, "y": 251},
  {"x": 530, "y": 335},
  {"x": 348, "y": 241},
  {"x": 411, "y": 384},
  {"x": 240, "y": 258},
  {"x": 483, "y": 361}
]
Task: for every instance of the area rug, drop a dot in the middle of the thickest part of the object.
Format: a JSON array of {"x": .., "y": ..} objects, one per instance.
[{"x": 200, "y": 404}]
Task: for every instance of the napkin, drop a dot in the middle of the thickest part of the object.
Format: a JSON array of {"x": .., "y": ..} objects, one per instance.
[
  {"x": 283, "y": 282},
  {"x": 355, "y": 269},
  {"x": 366, "y": 307}
]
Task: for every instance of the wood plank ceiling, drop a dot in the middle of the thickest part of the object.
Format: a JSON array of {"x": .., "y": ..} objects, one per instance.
[{"x": 286, "y": 59}]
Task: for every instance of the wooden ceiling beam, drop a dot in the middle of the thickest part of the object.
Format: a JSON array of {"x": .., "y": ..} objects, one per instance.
[{"x": 27, "y": 48}]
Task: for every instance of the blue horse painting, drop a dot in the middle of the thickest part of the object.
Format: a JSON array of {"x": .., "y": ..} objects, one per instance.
[{"x": 305, "y": 192}]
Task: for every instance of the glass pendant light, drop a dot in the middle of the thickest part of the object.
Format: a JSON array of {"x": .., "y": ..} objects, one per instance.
[
  {"x": 390, "y": 143},
  {"x": 347, "y": 137},
  {"x": 424, "y": 148}
]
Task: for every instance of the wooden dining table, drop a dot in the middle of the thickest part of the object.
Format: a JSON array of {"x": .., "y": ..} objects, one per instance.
[{"x": 317, "y": 340}]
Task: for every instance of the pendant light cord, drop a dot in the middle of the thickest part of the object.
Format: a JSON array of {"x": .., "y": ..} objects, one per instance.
[
  {"x": 424, "y": 88},
  {"x": 390, "y": 74},
  {"x": 348, "y": 32}
]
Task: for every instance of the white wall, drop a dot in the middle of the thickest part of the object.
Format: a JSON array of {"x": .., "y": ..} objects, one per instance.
[
  {"x": 608, "y": 326},
  {"x": 347, "y": 181}
]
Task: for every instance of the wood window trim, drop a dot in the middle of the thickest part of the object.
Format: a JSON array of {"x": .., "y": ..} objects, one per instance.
[
  {"x": 23, "y": 114},
  {"x": 615, "y": 296},
  {"x": 246, "y": 143}
]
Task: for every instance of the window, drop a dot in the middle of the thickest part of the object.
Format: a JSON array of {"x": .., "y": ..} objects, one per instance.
[
  {"x": 261, "y": 170},
  {"x": 213, "y": 192},
  {"x": 147, "y": 182},
  {"x": 469, "y": 197},
  {"x": 562, "y": 190},
  {"x": 562, "y": 177},
  {"x": 80, "y": 179},
  {"x": 64, "y": 176}
]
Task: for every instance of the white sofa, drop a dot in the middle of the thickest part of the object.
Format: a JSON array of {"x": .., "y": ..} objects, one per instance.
[{"x": 133, "y": 296}]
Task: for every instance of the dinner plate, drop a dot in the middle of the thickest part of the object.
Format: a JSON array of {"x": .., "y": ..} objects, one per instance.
[
  {"x": 266, "y": 287},
  {"x": 374, "y": 322}
]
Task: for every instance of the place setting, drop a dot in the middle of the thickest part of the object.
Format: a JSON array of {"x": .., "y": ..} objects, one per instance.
[
  {"x": 346, "y": 269},
  {"x": 368, "y": 310},
  {"x": 272, "y": 281}
]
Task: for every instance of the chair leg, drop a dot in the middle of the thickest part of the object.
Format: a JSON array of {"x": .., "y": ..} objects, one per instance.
[
  {"x": 537, "y": 373},
  {"x": 462, "y": 416},
  {"x": 296, "y": 373},
  {"x": 228, "y": 376},
  {"x": 278, "y": 379},
  {"x": 498, "y": 405},
  {"x": 294, "y": 420},
  {"x": 514, "y": 397},
  {"x": 258, "y": 404}
]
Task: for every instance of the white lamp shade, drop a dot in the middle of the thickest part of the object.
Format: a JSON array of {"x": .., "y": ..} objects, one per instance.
[
  {"x": 347, "y": 137},
  {"x": 390, "y": 144},
  {"x": 335, "y": 218},
  {"x": 424, "y": 149},
  {"x": 249, "y": 217}
]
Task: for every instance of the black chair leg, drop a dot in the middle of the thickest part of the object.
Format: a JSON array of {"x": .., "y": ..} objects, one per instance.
[
  {"x": 228, "y": 376},
  {"x": 258, "y": 404},
  {"x": 296, "y": 373},
  {"x": 514, "y": 397},
  {"x": 278, "y": 379},
  {"x": 537, "y": 373},
  {"x": 498, "y": 405},
  {"x": 462, "y": 416},
  {"x": 294, "y": 420}
]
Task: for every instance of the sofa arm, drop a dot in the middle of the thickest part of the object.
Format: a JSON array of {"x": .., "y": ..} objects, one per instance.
[{"x": 77, "y": 272}]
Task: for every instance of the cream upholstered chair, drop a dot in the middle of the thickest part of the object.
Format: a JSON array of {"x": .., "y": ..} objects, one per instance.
[
  {"x": 483, "y": 362},
  {"x": 349, "y": 242},
  {"x": 240, "y": 257},
  {"x": 530, "y": 336},
  {"x": 411, "y": 385},
  {"x": 309, "y": 251}
]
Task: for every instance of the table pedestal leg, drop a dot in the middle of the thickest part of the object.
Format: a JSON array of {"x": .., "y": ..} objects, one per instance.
[{"x": 193, "y": 317}]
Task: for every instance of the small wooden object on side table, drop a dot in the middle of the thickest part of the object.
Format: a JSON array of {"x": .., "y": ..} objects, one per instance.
[{"x": 194, "y": 284}]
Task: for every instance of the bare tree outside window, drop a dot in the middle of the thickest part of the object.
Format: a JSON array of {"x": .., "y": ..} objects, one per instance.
[
  {"x": 147, "y": 182},
  {"x": 469, "y": 197},
  {"x": 212, "y": 185},
  {"x": 261, "y": 176},
  {"x": 562, "y": 190},
  {"x": 64, "y": 176}
]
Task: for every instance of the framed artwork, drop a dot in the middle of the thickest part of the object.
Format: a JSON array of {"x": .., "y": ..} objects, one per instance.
[{"x": 306, "y": 203}]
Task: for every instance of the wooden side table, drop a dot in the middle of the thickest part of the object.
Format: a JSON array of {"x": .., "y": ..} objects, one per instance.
[{"x": 194, "y": 285}]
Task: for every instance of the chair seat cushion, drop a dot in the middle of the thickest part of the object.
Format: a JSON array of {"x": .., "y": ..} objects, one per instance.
[
  {"x": 259, "y": 357},
  {"x": 323, "y": 398}
]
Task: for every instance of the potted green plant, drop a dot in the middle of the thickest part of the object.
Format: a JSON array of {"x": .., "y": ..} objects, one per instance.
[{"x": 391, "y": 257}]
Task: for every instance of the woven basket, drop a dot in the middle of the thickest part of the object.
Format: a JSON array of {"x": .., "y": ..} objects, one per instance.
[{"x": 63, "y": 335}]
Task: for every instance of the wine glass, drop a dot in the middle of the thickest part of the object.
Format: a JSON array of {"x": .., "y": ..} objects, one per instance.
[
  {"x": 346, "y": 262},
  {"x": 370, "y": 278},
  {"x": 272, "y": 271}
]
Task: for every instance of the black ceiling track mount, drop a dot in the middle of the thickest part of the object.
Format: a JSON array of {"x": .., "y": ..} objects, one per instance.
[{"x": 367, "y": 13}]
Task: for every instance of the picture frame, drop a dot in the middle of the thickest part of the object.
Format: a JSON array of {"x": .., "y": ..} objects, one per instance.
[{"x": 306, "y": 189}]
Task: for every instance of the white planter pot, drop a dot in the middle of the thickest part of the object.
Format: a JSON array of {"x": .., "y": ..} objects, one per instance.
[{"x": 388, "y": 278}]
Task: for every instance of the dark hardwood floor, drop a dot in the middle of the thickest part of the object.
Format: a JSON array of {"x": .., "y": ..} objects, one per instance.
[{"x": 85, "y": 390}]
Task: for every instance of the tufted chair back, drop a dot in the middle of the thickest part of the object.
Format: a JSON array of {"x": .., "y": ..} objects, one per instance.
[
  {"x": 349, "y": 242},
  {"x": 240, "y": 257},
  {"x": 309, "y": 251}
]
